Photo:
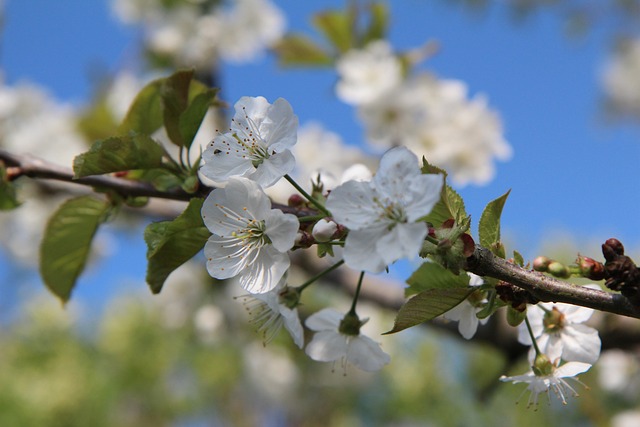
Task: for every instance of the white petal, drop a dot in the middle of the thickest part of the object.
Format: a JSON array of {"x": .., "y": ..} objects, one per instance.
[
  {"x": 581, "y": 343},
  {"x": 265, "y": 271},
  {"x": 280, "y": 127},
  {"x": 396, "y": 165},
  {"x": 222, "y": 260},
  {"x": 352, "y": 204},
  {"x": 221, "y": 163},
  {"x": 293, "y": 325},
  {"x": 468, "y": 324},
  {"x": 366, "y": 354},
  {"x": 243, "y": 194},
  {"x": 254, "y": 107},
  {"x": 575, "y": 313},
  {"x": 360, "y": 251},
  {"x": 327, "y": 346},
  {"x": 272, "y": 169},
  {"x": 325, "y": 319},
  {"x": 424, "y": 193},
  {"x": 282, "y": 229},
  {"x": 571, "y": 369},
  {"x": 402, "y": 241}
]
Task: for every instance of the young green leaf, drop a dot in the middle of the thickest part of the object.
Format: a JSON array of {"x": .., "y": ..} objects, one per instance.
[
  {"x": 175, "y": 99},
  {"x": 172, "y": 243},
  {"x": 191, "y": 118},
  {"x": 67, "y": 240},
  {"x": 337, "y": 26},
  {"x": 145, "y": 113},
  {"x": 119, "y": 154},
  {"x": 299, "y": 50},
  {"x": 378, "y": 22},
  {"x": 431, "y": 275},
  {"x": 8, "y": 197},
  {"x": 428, "y": 305},
  {"x": 489, "y": 226}
]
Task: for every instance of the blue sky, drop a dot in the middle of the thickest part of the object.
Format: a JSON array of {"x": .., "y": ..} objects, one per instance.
[{"x": 570, "y": 174}]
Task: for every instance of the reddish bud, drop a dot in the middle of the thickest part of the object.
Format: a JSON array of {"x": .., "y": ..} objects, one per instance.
[
  {"x": 612, "y": 248},
  {"x": 590, "y": 268},
  {"x": 469, "y": 245},
  {"x": 295, "y": 200},
  {"x": 449, "y": 223},
  {"x": 304, "y": 239},
  {"x": 541, "y": 263}
]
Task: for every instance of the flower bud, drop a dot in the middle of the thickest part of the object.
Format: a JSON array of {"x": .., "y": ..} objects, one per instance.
[
  {"x": 324, "y": 230},
  {"x": 515, "y": 316},
  {"x": 590, "y": 268},
  {"x": 612, "y": 248},
  {"x": 541, "y": 263},
  {"x": 304, "y": 239},
  {"x": 542, "y": 366},
  {"x": 295, "y": 200},
  {"x": 559, "y": 270}
]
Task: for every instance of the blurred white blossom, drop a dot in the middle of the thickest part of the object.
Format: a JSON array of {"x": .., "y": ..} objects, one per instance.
[
  {"x": 193, "y": 34},
  {"x": 368, "y": 74},
  {"x": 621, "y": 78},
  {"x": 436, "y": 119}
]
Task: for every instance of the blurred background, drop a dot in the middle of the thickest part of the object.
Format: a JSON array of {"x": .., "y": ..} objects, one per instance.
[{"x": 540, "y": 97}]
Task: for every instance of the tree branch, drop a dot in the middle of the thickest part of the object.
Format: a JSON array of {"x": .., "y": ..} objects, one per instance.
[
  {"x": 482, "y": 262},
  {"x": 546, "y": 288}
]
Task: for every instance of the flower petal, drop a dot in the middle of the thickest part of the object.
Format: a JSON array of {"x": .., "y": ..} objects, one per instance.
[
  {"x": 327, "y": 346},
  {"x": 359, "y": 252},
  {"x": 366, "y": 354},
  {"x": 325, "y": 319},
  {"x": 581, "y": 343},
  {"x": 272, "y": 169},
  {"x": 352, "y": 204}
]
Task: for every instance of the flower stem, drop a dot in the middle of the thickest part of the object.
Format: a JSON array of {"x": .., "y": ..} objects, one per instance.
[
  {"x": 319, "y": 275},
  {"x": 313, "y": 201},
  {"x": 310, "y": 218},
  {"x": 533, "y": 339},
  {"x": 357, "y": 294}
]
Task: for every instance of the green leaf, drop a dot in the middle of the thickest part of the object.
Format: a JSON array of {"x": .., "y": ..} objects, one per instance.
[
  {"x": 175, "y": 99},
  {"x": 450, "y": 204},
  {"x": 337, "y": 26},
  {"x": 145, "y": 113},
  {"x": 518, "y": 259},
  {"x": 428, "y": 305},
  {"x": 191, "y": 118},
  {"x": 299, "y": 50},
  {"x": 67, "y": 240},
  {"x": 172, "y": 243},
  {"x": 119, "y": 154},
  {"x": 378, "y": 23},
  {"x": 489, "y": 226},
  {"x": 8, "y": 196},
  {"x": 431, "y": 275}
]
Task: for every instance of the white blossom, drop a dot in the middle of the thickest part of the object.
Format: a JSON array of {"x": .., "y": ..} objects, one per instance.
[
  {"x": 258, "y": 144},
  {"x": 272, "y": 310},
  {"x": 331, "y": 343},
  {"x": 620, "y": 78},
  {"x": 560, "y": 332},
  {"x": 382, "y": 214},
  {"x": 250, "y": 240},
  {"x": 435, "y": 119},
  {"x": 368, "y": 74},
  {"x": 323, "y": 230},
  {"x": 465, "y": 312},
  {"x": 550, "y": 377}
]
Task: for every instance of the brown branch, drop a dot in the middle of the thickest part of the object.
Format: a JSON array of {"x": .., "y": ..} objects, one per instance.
[
  {"x": 482, "y": 262},
  {"x": 34, "y": 167},
  {"x": 546, "y": 288}
]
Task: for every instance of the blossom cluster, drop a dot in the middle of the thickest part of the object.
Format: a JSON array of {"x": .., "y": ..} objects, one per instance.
[
  {"x": 564, "y": 347},
  {"x": 251, "y": 241},
  {"x": 431, "y": 116},
  {"x": 197, "y": 33}
]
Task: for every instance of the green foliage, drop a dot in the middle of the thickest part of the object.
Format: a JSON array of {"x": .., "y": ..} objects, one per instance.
[
  {"x": 338, "y": 27},
  {"x": 184, "y": 104},
  {"x": 300, "y": 50},
  {"x": 489, "y": 226},
  {"x": 428, "y": 305},
  {"x": 450, "y": 204},
  {"x": 67, "y": 241},
  {"x": 438, "y": 291},
  {"x": 378, "y": 23},
  {"x": 8, "y": 196},
  {"x": 172, "y": 243},
  {"x": 119, "y": 154},
  {"x": 145, "y": 113},
  {"x": 434, "y": 276}
]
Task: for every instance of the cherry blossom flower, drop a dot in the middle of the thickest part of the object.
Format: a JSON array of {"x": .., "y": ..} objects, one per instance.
[
  {"x": 382, "y": 214},
  {"x": 465, "y": 312},
  {"x": 338, "y": 337},
  {"x": 257, "y": 145},
  {"x": 367, "y": 74},
  {"x": 250, "y": 240},
  {"x": 545, "y": 376},
  {"x": 272, "y": 310},
  {"x": 560, "y": 332}
]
